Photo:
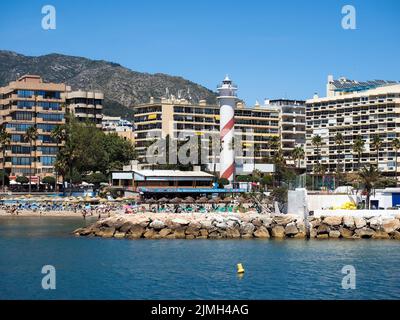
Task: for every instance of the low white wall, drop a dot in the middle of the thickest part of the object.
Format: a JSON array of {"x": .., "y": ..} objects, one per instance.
[
  {"x": 357, "y": 213},
  {"x": 324, "y": 201}
]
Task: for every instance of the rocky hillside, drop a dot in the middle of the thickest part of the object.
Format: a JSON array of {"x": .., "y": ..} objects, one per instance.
[{"x": 122, "y": 87}]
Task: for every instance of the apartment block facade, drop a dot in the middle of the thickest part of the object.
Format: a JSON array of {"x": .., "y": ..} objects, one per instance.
[
  {"x": 28, "y": 102},
  {"x": 255, "y": 125},
  {"x": 353, "y": 109},
  {"x": 86, "y": 106}
]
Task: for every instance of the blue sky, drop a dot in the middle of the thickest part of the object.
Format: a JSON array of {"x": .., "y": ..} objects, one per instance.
[{"x": 271, "y": 49}]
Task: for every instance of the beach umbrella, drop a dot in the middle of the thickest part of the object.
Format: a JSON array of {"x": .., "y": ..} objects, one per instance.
[
  {"x": 211, "y": 201},
  {"x": 150, "y": 201},
  {"x": 202, "y": 200},
  {"x": 189, "y": 199},
  {"x": 228, "y": 199},
  {"x": 163, "y": 200},
  {"x": 176, "y": 200}
]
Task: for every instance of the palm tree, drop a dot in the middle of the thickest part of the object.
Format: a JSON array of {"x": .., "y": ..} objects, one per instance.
[
  {"x": 274, "y": 143},
  {"x": 30, "y": 137},
  {"x": 396, "y": 147},
  {"x": 377, "y": 144},
  {"x": 339, "y": 141},
  {"x": 5, "y": 139},
  {"x": 58, "y": 135},
  {"x": 298, "y": 154},
  {"x": 358, "y": 147},
  {"x": 369, "y": 177},
  {"x": 317, "y": 143}
]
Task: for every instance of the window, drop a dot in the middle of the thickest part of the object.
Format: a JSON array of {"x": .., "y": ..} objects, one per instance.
[
  {"x": 21, "y": 160},
  {"x": 47, "y": 161},
  {"x": 51, "y": 117},
  {"x": 22, "y": 115}
]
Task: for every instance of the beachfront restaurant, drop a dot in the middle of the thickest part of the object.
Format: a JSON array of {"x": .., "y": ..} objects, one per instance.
[{"x": 168, "y": 183}]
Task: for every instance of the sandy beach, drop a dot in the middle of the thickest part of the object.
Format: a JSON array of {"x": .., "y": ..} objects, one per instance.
[{"x": 64, "y": 214}]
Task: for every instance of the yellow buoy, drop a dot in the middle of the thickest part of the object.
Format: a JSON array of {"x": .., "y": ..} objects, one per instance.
[{"x": 240, "y": 268}]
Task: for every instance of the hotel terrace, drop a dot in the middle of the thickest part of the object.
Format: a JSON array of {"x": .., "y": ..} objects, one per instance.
[
  {"x": 256, "y": 125},
  {"x": 354, "y": 109},
  {"x": 28, "y": 102}
]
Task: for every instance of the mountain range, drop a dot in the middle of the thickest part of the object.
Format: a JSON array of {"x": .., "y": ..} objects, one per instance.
[{"x": 122, "y": 87}]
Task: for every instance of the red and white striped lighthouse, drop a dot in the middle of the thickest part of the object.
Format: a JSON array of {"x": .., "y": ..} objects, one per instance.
[{"x": 227, "y": 101}]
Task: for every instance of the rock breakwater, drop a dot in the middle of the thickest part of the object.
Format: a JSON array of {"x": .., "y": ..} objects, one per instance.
[{"x": 241, "y": 226}]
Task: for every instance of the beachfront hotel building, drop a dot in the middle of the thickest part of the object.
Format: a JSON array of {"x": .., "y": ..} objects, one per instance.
[
  {"x": 256, "y": 125},
  {"x": 354, "y": 109},
  {"x": 27, "y": 102},
  {"x": 86, "y": 106}
]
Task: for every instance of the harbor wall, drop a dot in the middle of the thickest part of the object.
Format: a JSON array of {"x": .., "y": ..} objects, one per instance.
[{"x": 242, "y": 226}]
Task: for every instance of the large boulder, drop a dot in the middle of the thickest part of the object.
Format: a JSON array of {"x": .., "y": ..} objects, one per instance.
[
  {"x": 334, "y": 234},
  {"x": 106, "y": 232},
  {"x": 348, "y": 222},
  {"x": 359, "y": 222},
  {"x": 113, "y": 222},
  {"x": 364, "y": 232},
  {"x": 282, "y": 220},
  {"x": 395, "y": 235},
  {"x": 206, "y": 224},
  {"x": 323, "y": 229},
  {"x": 261, "y": 233},
  {"x": 157, "y": 225},
  {"x": 375, "y": 223},
  {"x": 233, "y": 233},
  {"x": 278, "y": 232},
  {"x": 346, "y": 233},
  {"x": 390, "y": 225},
  {"x": 266, "y": 222},
  {"x": 126, "y": 226},
  {"x": 192, "y": 231},
  {"x": 180, "y": 233},
  {"x": 333, "y": 221},
  {"x": 291, "y": 229},
  {"x": 135, "y": 232},
  {"x": 221, "y": 225},
  {"x": 149, "y": 234},
  {"x": 381, "y": 235},
  {"x": 119, "y": 235},
  {"x": 247, "y": 228},
  {"x": 204, "y": 233},
  {"x": 143, "y": 222},
  {"x": 164, "y": 232}
]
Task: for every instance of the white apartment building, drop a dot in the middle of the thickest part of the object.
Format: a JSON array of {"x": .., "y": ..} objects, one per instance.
[{"x": 354, "y": 109}]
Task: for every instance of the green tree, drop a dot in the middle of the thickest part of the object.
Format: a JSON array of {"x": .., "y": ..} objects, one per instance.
[
  {"x": 316, "y": 141},
  {"x": 96, "y": 178},
  {"x": 22, "y": 179},
  {"x": 30, "y": 137},
  {"x": 339, "y": 141},
  {"x": 396, "y": 147},
  {"x": 5, "y": 139},
  {"x": 369, "y": 177},
  {"x": 59, "y": 135},
  {"x": 298, "y": 155},
  {"x": 377, "y": 144},
  {"x": 49, "y": 180},
  {"x": 358, "y": 148}
]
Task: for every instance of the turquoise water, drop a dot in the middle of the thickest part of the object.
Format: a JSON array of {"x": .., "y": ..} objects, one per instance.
[{"x": 93, "y": 268}]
